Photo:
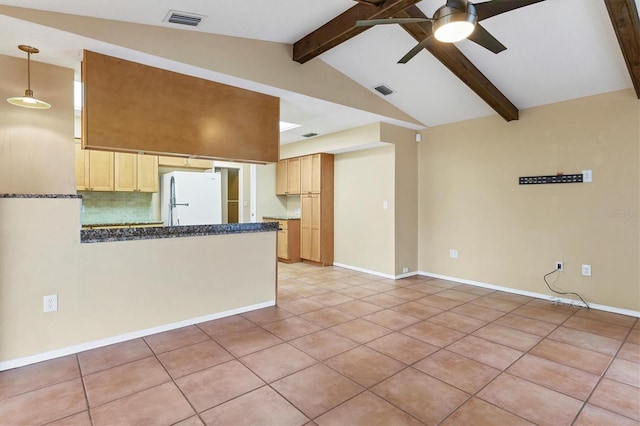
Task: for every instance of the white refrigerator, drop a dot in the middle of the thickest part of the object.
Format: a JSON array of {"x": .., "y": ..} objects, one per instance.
[{"x": 189, "y": 198}]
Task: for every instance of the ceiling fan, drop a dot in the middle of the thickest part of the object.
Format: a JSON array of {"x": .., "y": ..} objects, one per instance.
[{"x": 457, "y": 20}]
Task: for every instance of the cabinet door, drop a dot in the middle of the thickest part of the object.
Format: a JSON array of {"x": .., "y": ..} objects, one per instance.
[
  {"x": 316, "y": 172},
  {"x": 315, "y": 228},
  {"x": 293, "y": 176},
  {"x": 306, "y": 212},
  {"x": 81, "y": 167},
  {"x": 100, "y": 171},
  {"x": 282, "y": 244},
  {"x": 172, "y": 161},
  {"x": 199, "y": 163},
  {"x": 310, "y": 225},
  {"x": 281, "y": 177},
  {"x": 147, "y": 179},
  {"x": 305, "y": 174},
  {"x": 125, "y": 166}
]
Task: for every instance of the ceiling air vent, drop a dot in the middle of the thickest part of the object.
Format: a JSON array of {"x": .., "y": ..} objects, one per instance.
[
  {"x": 183, "y": 18},
  {"x": 383, "y": 90},
  {"x": 309, "y": 135}
]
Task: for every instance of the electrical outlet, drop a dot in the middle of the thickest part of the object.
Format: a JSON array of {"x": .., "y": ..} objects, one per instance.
[
  {"x": 453, "y": 253},
  {"x": 587, "y": 176},
  {"x": 559, "y": 265},
  {"x": 405, "y": 270},
  {"x": 50, "y": 303},
  {"x": 586, "y": 270}
]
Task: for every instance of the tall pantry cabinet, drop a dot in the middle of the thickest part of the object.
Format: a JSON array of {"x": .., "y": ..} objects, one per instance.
[{"x": 316, "y": 208}]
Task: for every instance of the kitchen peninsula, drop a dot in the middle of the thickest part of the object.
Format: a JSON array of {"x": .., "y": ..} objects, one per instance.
[{"x": 117, "y": 284}]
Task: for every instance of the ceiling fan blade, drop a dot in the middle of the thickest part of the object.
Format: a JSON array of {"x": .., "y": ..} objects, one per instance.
[
  {"x": 417, "y": 48},
  {"x": 496, "y": 7},
  {"x": 371, "y": 22},
  {"x": 484, "y": 38}
]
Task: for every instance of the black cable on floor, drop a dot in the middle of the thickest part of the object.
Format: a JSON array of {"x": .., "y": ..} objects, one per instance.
[{"x": 562, "y": 292}]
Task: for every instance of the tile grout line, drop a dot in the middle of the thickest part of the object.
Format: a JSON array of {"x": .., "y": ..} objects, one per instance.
[
  {"x": 602, "y": 377},
  {"x": 172, "y": 380}
]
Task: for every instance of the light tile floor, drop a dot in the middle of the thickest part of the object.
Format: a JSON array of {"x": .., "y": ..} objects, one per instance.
[{"x": 347, "y": 348}]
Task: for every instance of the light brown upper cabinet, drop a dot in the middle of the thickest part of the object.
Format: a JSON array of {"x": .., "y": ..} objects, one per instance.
[
  {"x": 293, "y": 176},
  {"x": 93, "y": 170},
  {"x": 136, "y": 173},
  {"x": 288, "y": 177},
  {"x": 188, "y": 163},
  {"x": 311, "y": 172}
]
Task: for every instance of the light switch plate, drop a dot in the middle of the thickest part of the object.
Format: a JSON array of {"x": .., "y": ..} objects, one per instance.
[{"x": 50, "y": 303}]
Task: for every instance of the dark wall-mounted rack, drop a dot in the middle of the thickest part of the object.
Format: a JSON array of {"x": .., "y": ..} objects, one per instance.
[{"x": 539, "y": 180}]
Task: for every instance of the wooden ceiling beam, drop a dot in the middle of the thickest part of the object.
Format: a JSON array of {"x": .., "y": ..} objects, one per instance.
[
  {"x": 626, "y": 24},
  {"x": 460, "y": 65},
  {"x": 342, "y": 27}
]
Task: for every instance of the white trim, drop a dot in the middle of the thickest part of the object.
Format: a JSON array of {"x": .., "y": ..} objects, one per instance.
[
  {"x": 240, "y": 168},
  {"x": 366, "y": 271},
  {"x": 407, "y": 275},
  {"x": 379, "y": 274},
  {"x": 543, "y": 296},
  {"x": 253, "y": 184},
  {"x": 32, "y": 359}
]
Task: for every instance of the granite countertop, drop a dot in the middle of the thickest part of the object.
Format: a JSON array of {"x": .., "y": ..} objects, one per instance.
[
  {"x": 282, "y": 217},
  {"x": 129, "y": 234},
  {"x": 40, "y": 196}
]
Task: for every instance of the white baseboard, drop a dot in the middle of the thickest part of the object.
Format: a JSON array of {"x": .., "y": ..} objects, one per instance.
[
  {"x": 543, "y": 296},
  {"x": 32, "y": 359},
  {"x": 376, "y": 273}
]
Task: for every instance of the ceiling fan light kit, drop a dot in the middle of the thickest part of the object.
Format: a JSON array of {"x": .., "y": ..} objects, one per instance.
[
  {"x": 456, "y": 20},
  {"x": 452, "y": 24},
  {"x": 28, "y": 100}
]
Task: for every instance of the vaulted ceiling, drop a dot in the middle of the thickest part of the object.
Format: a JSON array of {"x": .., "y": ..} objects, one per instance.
[{"x": 556, "y": 50}]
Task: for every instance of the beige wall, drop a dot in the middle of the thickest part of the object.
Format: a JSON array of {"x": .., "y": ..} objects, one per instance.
[
  {"x": 364, "y": 231},
  {"x": 364, "y": 178},
  {"x": 511, "y": 235},
  {"x": 36, "y": 146},
  {"x": 406, "y": 195},
  {"x": 267, "y": 202},
  {"x": 349, "y": 139},
  {"x": 109, "y": 289}
]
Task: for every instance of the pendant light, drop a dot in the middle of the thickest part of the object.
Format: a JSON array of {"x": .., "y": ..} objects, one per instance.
[{"x": 28, "y": 101}]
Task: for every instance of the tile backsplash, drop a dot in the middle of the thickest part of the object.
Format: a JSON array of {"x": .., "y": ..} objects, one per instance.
[{"x": 116, "y": 207}]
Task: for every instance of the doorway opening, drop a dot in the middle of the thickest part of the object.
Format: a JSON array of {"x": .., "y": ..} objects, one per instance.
[{"x": 231, "y": 182}]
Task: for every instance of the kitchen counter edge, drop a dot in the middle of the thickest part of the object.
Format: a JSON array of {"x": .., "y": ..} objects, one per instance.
[
  {"x": 131, "y": 234},
  {"x": 40, "y": 196}
]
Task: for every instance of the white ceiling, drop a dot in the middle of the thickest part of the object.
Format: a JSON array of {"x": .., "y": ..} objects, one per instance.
[{"x": 556, "y": 50}]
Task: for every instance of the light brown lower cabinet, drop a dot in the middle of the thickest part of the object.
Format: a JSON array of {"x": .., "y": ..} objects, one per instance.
[
  {"x": 288, "y": 240},
  {"x": 316, "y": 229}
]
